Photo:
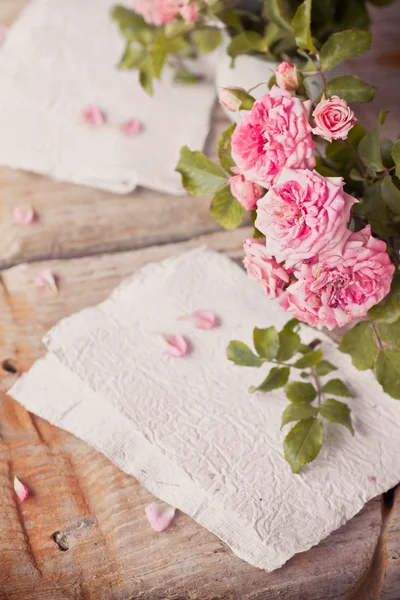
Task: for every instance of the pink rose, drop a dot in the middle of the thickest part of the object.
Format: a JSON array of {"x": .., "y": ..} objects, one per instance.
[
  {"x": 341, "y": 286},
  {"x": 264, "y": 269},
  {"x": 157, "y": 12},
  {"x": 303, "y": 214},
  {"x": 287, "y": 77},
  {"x": 246, "y": 192},
  {"x": 333, "y": 119},
  {"x": 273, "y": 135},
  {"x": 189, "y": 12}
]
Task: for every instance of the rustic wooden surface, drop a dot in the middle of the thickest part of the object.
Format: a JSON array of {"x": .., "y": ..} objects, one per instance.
[{"x": 91, "y": 240}]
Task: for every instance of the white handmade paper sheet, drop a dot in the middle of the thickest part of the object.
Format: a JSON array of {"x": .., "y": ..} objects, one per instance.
[
  {"x": 61, "y": 56},
  {"x": 187, "y": 428}
]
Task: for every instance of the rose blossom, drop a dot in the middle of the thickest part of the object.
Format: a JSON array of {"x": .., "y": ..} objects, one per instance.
[
  {"x": 263, "y": 268},
  {"x": 333, "y": 119},
  {"x": 273, "y": 135},
  {"x": 246, "y": 192},
  {"x": 338, "y": 287},
  {"x": 189, "y": 12},
  {"x": 303, "y": 214},
  {"x": 287, "y": 77},
  {"x": 157, "y": 12}
]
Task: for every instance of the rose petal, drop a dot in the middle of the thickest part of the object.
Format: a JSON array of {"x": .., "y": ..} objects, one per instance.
[
  {"x": 47, "y": 279},
  {"x": 204, "y": 319},
  {"x": 93, "y": 115},
  {"x": 21, "y": 490},
  {"x": 159, "y": 515},
  {"x": 131, "y": 127},
  {"x": 176, "y": 346},
  {"x": 24, "y": 214}
]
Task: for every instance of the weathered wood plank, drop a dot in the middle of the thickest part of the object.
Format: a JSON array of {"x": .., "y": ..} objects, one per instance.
[{"x": 113, "y": 552}]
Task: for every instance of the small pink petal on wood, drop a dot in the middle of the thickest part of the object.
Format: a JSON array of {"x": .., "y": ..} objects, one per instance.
[
  {"x": 131, "y": 127},
  {"x": 21, "y": 490},
  {"x": 176, "y": 345},
  {"x": 93, "y": 115},
  {"x": 24, "y": 214},
  {"x": 159, "y": 515},
  {"x": 47, "y": 279},
  {"x": 204, "y": 319}
]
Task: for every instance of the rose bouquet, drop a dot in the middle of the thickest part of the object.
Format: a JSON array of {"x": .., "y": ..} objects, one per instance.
[
  {"x": 160, "y": 32},
  {"x": 324, "y": 197}
]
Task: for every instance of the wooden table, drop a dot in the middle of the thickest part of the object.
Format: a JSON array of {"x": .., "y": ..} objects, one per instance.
[{"x": 107, "y": 551}]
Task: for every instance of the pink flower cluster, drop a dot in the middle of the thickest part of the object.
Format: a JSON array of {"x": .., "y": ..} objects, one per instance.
[{"x": 159, "y": 12}]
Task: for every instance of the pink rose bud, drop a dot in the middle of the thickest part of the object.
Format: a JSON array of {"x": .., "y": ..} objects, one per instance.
[
  {"x": 92, "y": 115},
  {"x": 189, "y": 12},
  {"x": 287, "y": 77},
  {"x": 234, "y": 99},
  {"x": 333, "y": 119},
  {"x": 131, "y": 127},
  {"x": 246, "y": 192},
  {"x": 159, "y": 515}
]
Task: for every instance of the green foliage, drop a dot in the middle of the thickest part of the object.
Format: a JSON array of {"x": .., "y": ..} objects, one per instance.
[
  {"x": 369, "y": 150},
  {"x": 300, "y": 392},
  {"x": 266, "y": 342},
  {"x": 276, "y": 378},
  {"x": 360, "y": 343},
  {"x": 296, "y": 412},
  {"x": 389, "y": 333},
  {"x": 200, "y": 176},
  {"x": 343, "y": 45},
  {"x": 289, "y": 344},
  {"x": 390, "y": 194},
  {"x": 146, "y": 75},
  {"x": 388, "y": 311},
  {"x": 302, "y": 27},
  {"x": 243, "y": 43},
  {"x": 242, "y": 355},
  {"x": 350, "y": 88},
  {"x": 303, "y": 443},
  {"x": 226, "y": 210},
  {"x": 337, "y": 388},
  {"x": 324, "y": 367},
  {"x": 275, "y": 11},
  {"x": 337, "y": 412},
  {"x": 132, "y": 57},
  {"x": 207, "y": 39},
  {"x": 224, "y": 149},
  {"x": 396, "y": 153},
  {"x": 309, "y": 360},
  {"x": 387, "y": 372}
]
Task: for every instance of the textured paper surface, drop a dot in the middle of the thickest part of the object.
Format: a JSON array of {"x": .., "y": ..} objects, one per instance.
[
  {"x": 188, "y": 430},
  {"x": 60, "y": 56}
]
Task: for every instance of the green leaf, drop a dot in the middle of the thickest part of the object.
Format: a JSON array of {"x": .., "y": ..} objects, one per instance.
[
  {"x": 132, "y": 57},
  {"x": 296, "y": 412},
  {"x": 337, "y": 388},
  {"x": 350, "y": 88},
  {"x": 292, "y": 325},
  {"x": 389, "y": 333},
  {"x": 387, "y": 372},
  {"x": 225, "y": 150},
  {"x": 289, "y": 343},
  {"x": 386, "y": 153},
  {"x": 274, "y": 11},
  {"x": 343, "y": 45},
  {"x": 309, "y": 360},
  {"x": 159, "y": 54},
  {"x": 324, "y": 367},
  {"x": 266, "y": 342},
  {"x": 200, "y": 176},
  {"x": 304, "y": 375},
  {"x": 185, "y": 77},
  {"x": 369, "y": 150},
  {"x": 276, "y": 378},
  {"x": 242, "y": 355},
  {"x": 132, "y": 25},
  {"x": 302, "y": 27},
  {"x": 207, "y": 39},
  {"x": 243, "y": 43},
  {"x": 146, "y": 75},
  {"x": 388, "y": 311},
  {"x": 396, "y": 153},
  {"x": 303, "y": 443},
  {"x": 337, "y": 412},
  {"x": 226, "y": 210},
  {"x": 360, "y": 343},
  {"x": 300, "y": 392},
  {"x": 390, "y": 194}
]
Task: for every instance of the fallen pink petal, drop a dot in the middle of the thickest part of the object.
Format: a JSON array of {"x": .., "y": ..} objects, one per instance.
[
  {"x": 204, "y": 319},
  {"x": 47, "y": 279},
  {"x": 20, "y": 489},
  {"x": 93, "y": 115},
  {"x": 159, "y": 516},
  {"x": 131, "y": 127},
  {"x": 176, "y": 345},
  {"x": 24, "y": 214}
]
